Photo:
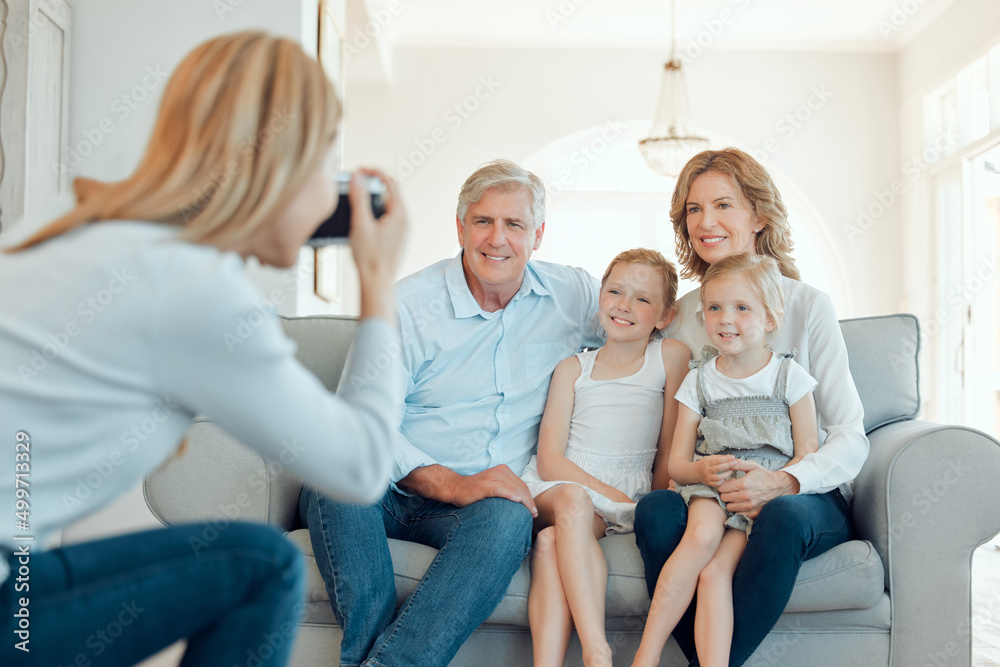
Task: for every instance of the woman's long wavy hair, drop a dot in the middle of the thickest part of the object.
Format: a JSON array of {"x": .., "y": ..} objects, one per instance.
[
  {"x": 775, "y": 237},
  {"x": 245, "y": 119}
]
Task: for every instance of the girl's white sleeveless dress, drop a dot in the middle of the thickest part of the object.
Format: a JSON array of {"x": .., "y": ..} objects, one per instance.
[{"x": 613, "y": 435}]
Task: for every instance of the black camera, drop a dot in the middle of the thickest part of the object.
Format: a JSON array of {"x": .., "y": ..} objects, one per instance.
[{"x": 335, "y": 228}]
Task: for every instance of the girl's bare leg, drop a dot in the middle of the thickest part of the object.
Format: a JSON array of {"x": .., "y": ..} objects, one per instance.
[
  {"x": 581, "y": 566},
  {"x": 678, "y": 579},
  {"x": 713, "y": 620},
  {"x": 548, "y": 612}
]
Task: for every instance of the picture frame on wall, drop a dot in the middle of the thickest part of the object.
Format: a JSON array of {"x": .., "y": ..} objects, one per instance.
[
  {"x": 327, "y": 272},
  {"x": 329, "y": 262}
]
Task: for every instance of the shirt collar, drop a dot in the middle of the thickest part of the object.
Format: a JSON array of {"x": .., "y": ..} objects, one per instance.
[{"x": 465, "y": 305}]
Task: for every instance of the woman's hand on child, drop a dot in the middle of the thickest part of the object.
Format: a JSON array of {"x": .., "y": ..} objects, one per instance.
[{"x": 715, "y": 469}]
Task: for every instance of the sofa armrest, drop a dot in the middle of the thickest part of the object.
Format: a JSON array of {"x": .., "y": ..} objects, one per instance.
[{"x": 926, "y": 498}]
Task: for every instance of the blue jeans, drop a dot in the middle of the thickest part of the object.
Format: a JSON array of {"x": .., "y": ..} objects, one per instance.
[
  {"x": 481, "y": 546},
  {"x": 235, "y": 591},
  {"x": 789, "y": 530}
]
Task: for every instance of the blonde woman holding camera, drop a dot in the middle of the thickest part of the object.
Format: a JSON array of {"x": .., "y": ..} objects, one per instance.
[{"x": 116, "y": 315}]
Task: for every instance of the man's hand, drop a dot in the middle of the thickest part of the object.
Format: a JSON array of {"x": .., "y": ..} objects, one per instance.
[
  {"x": 496, "y": 482},
  {"x": 748, "y": 494},
  {"x": 439, "y": 483}
]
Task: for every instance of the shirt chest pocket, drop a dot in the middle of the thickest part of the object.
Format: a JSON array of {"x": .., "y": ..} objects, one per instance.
[{"x": 540, "y": 359}]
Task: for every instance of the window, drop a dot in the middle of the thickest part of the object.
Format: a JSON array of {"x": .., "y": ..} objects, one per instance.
[{"x": 965, "y": 108}]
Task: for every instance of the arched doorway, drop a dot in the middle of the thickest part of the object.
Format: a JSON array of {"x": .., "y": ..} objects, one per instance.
[{"x": 603, "y": 198}]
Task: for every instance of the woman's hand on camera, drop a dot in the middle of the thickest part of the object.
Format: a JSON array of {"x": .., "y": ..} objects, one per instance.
[{"x": 377, "y": 245}]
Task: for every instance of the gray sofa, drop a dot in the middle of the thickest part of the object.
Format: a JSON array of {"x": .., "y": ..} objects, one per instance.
[{"x": 899, "y": 594}]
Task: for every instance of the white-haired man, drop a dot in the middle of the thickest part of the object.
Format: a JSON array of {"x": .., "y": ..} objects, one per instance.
[{"x": 481, "y": 334}]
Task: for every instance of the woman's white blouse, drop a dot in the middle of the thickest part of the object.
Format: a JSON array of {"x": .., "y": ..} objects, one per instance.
[{"x": 810, "y": 326}]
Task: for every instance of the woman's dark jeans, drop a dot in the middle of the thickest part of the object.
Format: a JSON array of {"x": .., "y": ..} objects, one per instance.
[{"x": 789, "y": 530}]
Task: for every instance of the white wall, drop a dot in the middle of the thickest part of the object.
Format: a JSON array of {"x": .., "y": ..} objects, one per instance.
[{"x": 845, "y": 152}]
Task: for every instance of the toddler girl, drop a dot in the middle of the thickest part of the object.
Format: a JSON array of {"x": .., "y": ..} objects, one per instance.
[{"x": 741, "y": 401}]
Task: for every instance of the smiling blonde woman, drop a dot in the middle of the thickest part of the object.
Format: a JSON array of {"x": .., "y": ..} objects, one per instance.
[{"x": 725, "y": 203}]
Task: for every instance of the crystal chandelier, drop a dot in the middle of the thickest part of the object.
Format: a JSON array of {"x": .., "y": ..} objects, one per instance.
[{"x": 671, "y": 143}]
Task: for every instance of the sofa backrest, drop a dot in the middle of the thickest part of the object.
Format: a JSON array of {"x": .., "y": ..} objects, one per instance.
[
  {"x": 220, "y": 479},
  {"x": 882, "y": 352}
]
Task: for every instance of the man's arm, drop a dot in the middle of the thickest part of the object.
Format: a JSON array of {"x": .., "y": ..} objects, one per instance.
[{"x": 437, "y": 482}]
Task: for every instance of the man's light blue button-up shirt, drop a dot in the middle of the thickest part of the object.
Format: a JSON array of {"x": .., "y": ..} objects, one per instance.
[{"x": 476, "y": 382}]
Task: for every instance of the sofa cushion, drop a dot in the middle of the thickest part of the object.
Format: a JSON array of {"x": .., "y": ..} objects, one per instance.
[
  {"x": 882, "y": 352},
  {"x": 848, "y": 576}
]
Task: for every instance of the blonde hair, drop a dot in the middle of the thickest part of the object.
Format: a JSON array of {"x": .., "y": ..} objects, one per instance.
[
  {"x": 505, "y": 176},
  {"x": 761, "y": 274},
  {"x": 655, "y": 261},
  {"x": 245, "y": 119},
  {"x": 750, "y": 176}
]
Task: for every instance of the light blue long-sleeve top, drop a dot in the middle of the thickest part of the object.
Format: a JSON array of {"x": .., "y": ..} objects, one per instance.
[
  {"x": 476, "y": 381},
  {"x": 114, "y": 336}
]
